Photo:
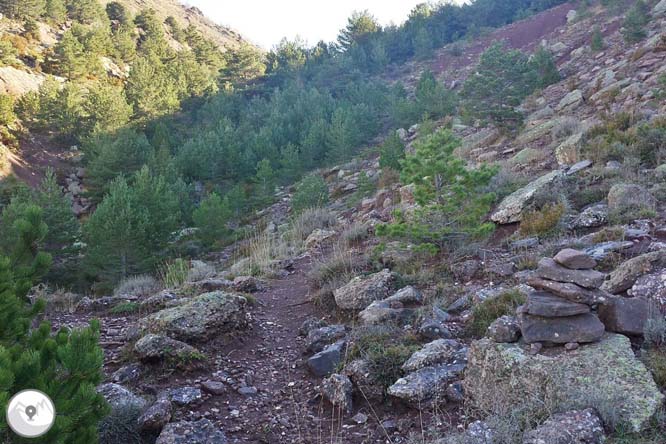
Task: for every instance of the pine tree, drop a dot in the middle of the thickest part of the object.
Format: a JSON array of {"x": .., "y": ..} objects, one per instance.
[
  {"x": 423, "y": 44},
  {"x": 66, "y": 366},
  {"x": 360, "y": 25},
  {"x": 452, "y": 202},
  {"x": 211, "y": 218},
  {"x": 343, "y": 135},
  {"x": 117, "y": 12},
  {"x": 85, "y": 11},
  {"x": 635, "y": 21},
  {"x": 242, "y": 64},
  {"x": 265, "y": 180},
  {"x": 23, "y": 9},
  {"x": 311, "y": 192},
  {"x": 71, "y": 58},
  {"x": 597, "y": 40},
  {"x": 106, "y": 109},
  {"x": 544, "y": 65},
  {"x": 58, "y": 215},
  {"x": 150, "y": 90},
  {"x": 392, "y": 152},
  {"x": 56, "y": 11},
  {"x": 432, "y": 98}
]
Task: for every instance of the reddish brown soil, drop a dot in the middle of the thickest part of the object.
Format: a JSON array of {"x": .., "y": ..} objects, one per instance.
[{"x": 37, "y": 153}]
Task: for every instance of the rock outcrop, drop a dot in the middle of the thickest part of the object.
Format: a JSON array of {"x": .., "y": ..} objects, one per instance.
[
  {"x": 361, "y": 291},
  {"x": 511, "y": 209}
]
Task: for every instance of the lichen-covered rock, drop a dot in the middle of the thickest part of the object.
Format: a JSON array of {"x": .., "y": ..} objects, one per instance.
[
  {"x": 427, "y": 386},
  {"x": 326, "y": 361},
  {"x": 502, "y": 377},
  {"x": 504, "y": 329},
  {"x": 318, "y": 338},
  {"x": 118, "y": 396},
  {"x": 440, "y": 351},
  {"x": 156, "y": 416},
  {"x": 247, "y": 284},
  {"x": 183, "y": 396},
  {"x": 380, "y": 312},
  {"x": 625, "y": 197},
  {"x": 200, "y": 318},
  {"x": 406, "y": 295},
  {"x": 360, "y": 373},
  {"x": 199, "y": 432},
  {"x": 624, "y": 276},
  {"x": 591, "y": 217},
  {"x": 651, "y": 287},
  {"x": 338, "y": 390},
  {"x": 567, "y": 152},
  {"x": 511, "y": 209},
  {"x": 571, "y": 100},
  {"x": 574, "y": 427},
  {"x": 152, "y": 348},
  {"x": 479, "y": 432},
  {"x": 361, "y": 291}
]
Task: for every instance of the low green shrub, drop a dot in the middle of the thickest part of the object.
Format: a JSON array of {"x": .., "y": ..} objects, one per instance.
[
  {"x": 486, "y": 312},
  {"x": 311, "y": 192},
  {"x": 125, "y": 308}
]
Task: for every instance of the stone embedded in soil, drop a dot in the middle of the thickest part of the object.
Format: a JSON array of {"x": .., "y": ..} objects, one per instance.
[
  {"x": 337, "y": 389},
  {"x": 542, "y": 303},
  {"x": 156, "y": 416},
  {"x": 574, "y": 427},
  {"x": 504, "y": 329},
  {"x": 550, "y": 269},
  {"x": 570, "y": 292},
  {"x": 361, "y": 375},
  {"x": 440, "y": 351},
  {"x": 214, "y": 387},
  {"x": 202, "y": 431},
  {"x": 152, "y": 348},
  {"x": 118, "y": 397},
  {"x": 503, "y": 377},
  {"x": 361, "y": 291},
  {"x": 578, "y": 328},
  {"x": 326, "y": 361},
  {"x": 427, "y": 386},
  {"x": 199, "y": 318},
  {"x": 183, "y": 396},
  {"x": 575, "y": 259},
  {"x": 624, "y": 315},
  {"x": 511, "y": 209},
  {"x": 319, "y": 338},
  {"x": 311, "y": 324}
]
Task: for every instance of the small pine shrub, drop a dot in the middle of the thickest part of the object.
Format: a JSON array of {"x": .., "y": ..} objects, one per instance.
[
  {"x": 597, "y": 40},
  {"x": 125, "y": 308},
  {"x": 543, "y": 222},
  {"x": 486, "y": 312},
  {"x": 312, "y": 192}
]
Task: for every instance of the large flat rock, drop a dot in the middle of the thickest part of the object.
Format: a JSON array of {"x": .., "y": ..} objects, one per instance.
[
  {"x": 503, "y": 377},
  {"x": 510, "y": 210}
]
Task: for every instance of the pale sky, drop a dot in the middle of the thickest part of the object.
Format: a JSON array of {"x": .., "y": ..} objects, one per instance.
[{"x": 265, "y": 22}]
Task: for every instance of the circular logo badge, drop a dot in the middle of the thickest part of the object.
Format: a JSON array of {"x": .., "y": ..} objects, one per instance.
[{"x": 30, "y": 413}]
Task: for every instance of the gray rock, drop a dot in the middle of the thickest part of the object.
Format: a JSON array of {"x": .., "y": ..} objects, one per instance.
[
  {"x": 624, "y": 315},
  {"x": 199, "y": 432},
  {"x": 571, "y": 100},
  {"x": 427, "y": 386},
  {"x": 326, "y": 361},
  {"x": 118, "y": 397},
  {"x": 591, "y": 217},
  {"x": 360, "y": 373},
  {"x": 626, "y": 197},
  {"x": 567, "y": 152},
  {"x": 440, "y": 351},
  {"x": 183, "y": 396},
  {"x": 214, "y": 387},
  {"x": 455, "y": 392},
  {"x": 247, "y": 284},
  {"x": 502, "y": 377},
  {"x": 624, "y": 276},
  {"x": 549, "y": 269},
  {"x": 575, "y": 259},
  {"x": 152, "y": 348},
  {"x": 504, "y": 329},
  {"x": 570, "y": 292},
  {"x": 311, "y": 324},
  {"x": 525, "y": 244},
  {"x": 200, "y": 318},
  {"x": 465, "y": 270},
  {"x": 460, "y": 304},
  {"x": 580, "y": 328},
  {"x": 380, "y": 312},
  {"x": 337, "y": 389},
  {"x": 432, "y": 328},
  {"x": 406, "y": 295},
  {"x": 156, "y": 416},
  {"x": 319, "y": 338},
  {"x": 510, "y": 210},
  {"x": 479, "y": 432},
  {"x": 600, "y": 251},
  {"x": 653, "y": 288},
  {"x": 545, "y": 304},
  {"x": 578, "y": 167},
  {"x": 574, "y": 427},
  {"x": 362, "y": 291},
  {"x": 164, "y": 299},
  {"x": 659, "y": 8},
  {"x": 247, "y": 391},
  {"x": 128, "y": 373}
]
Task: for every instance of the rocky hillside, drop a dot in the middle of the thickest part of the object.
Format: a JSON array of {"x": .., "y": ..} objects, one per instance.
[
  {"x": 223, "y": 36},
  {"x": 507, "y": 285}
]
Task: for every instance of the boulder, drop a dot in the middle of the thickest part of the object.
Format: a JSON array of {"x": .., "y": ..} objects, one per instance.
[
  {"x": 317, "y": 238},
  {"x": 549, "y": 269},
  {"x": 624, "y": 276},
  {"x": 624, "y": 315},
  {"x": 547, "y": 305},
  {"x": 567, "y": 152},
  {"x": 16, "y": 82},
  {"x": 427, "y": 386},
  {"x": 152, "y": 348},
  {"x": 380, "y": 312},
  {"x": 580, "y": 328},
  {"x": 600, "y": 251},
  {"x": 361, "y": 291},
  {"x": 659, "y": 8},
  {"x": 310, "y": 324},
  {"x": 337, "y": 389},
  {"x": 504, "y": 329},
  {"x": 247, "y": 284},
  {"x": 156, "y": 416},
  {"x": 503, "y": 377},
  {"x": 440, "y": 351},
  {"x": 626, "y": 197},
  {"x": 568, "y": 291},
  {"x": 591, "y": 217},
  {"x": 406, "y": 295},
  {"x": 202, "y": 431},
  {"x": 214, "y": 387},
  {"x": 360, "y": 374},
  {"x": 200, "y": 318},
  {"x": 571, "y": 100},
  {"x": 574, "y": 259},
  {"x": 579, "y": 166},
  {"x": 511, "y": 209},
  {"x": 326, "y": 361},
  {"x": 653, "y": 288},
  {"x": 318, "y": 338},
  {"x": 573, "y": 427},
  {"x": 183, "y": 396},
  {"x": 118, "y": 396}
]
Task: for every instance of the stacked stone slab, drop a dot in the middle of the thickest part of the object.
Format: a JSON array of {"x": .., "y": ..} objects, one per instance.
[{"x": 562, "y": 309}]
